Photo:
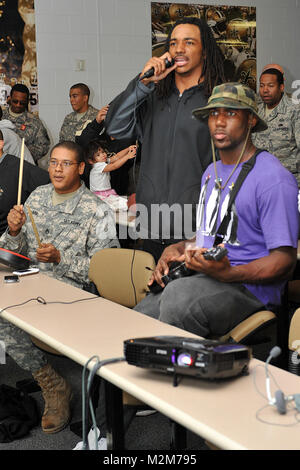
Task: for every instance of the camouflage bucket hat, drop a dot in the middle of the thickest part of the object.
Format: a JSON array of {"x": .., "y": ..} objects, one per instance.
[{"x": 232, "y": 95}]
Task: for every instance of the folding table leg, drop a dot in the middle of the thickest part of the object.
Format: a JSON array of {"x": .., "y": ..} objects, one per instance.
[
  {"x": 114, "y": 416},
  {"x": 77, "y": 427},
  {"x": 178, "y": 436}
]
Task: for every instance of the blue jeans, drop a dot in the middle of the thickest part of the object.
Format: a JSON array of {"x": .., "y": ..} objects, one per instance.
[{"x": 201, "y": 305}]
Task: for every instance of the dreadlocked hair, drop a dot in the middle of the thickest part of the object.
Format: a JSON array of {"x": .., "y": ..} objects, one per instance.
[{"x": 213, "y": 60}]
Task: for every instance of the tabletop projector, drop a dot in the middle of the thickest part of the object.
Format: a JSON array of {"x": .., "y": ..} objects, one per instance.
[{"x": 201, "y": 358}]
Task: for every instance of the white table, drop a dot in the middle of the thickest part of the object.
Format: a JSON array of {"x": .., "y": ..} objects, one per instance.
[{"x": 222, "y": 412}]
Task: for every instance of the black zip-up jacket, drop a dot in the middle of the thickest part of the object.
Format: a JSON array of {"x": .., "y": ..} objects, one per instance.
[{"x": 176, "y": 150}]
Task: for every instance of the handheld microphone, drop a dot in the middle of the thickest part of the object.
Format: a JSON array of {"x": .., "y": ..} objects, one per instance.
[{"x": 150, "y": 72}]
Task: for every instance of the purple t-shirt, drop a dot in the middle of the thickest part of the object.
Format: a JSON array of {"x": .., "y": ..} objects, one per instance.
[{"x": 264, "y": 215}]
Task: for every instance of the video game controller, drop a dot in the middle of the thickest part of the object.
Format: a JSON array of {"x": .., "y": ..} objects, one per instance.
[
  {"x": 179, "y": 269},
  {"x": 215, "y": 253},
  {"x": 176, "y": 271}
]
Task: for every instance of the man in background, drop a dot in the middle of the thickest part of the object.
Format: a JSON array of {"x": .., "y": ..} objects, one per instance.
[
  {"x": 27, "y": 124},
  {"x": 12, "y": 142},
  {"x": 83, "y": 113},
  {"x": 282, "y": 137}
]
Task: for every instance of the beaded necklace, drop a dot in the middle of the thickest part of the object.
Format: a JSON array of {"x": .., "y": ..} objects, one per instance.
[{"x": 218, "y": 180}]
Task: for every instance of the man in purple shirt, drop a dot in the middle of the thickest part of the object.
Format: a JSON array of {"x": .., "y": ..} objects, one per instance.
[{"x": 260, "y": 237}]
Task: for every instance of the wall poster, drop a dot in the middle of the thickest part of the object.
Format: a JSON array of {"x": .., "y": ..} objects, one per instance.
[
  {"x": 234, "y": 29},
  {"x": 18, "y": 49}
]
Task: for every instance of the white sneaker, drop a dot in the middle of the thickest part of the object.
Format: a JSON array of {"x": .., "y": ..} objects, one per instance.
[{"x": 101, "y": 444}]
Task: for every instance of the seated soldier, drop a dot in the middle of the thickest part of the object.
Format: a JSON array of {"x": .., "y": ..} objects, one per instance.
[
  {"x": 71, "y": 221},
  {"x": 27, "y": 124},
  {"x": 12, "y": 142},
  {"x": 73, "y": 224},
  {"x": 261, "y": 236},
  {"x": 33, "y": 176}
]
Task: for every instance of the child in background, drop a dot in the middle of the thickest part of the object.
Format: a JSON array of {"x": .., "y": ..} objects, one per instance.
[{"x": 101, "y": 165}]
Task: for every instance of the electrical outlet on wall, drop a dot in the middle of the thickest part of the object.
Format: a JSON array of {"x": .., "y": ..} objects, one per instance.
[{"x": 79, "y": 65}]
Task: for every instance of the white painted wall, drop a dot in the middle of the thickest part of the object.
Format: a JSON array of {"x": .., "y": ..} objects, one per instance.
[{"x": 113, "y": 37}]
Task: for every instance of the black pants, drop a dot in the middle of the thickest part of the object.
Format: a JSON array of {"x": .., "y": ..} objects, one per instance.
[{"x": 201, "y": 305}]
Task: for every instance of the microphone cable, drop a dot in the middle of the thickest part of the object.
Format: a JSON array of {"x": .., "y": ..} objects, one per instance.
[
  {"x": 275, "y": 352},
  {"x": 86, "y": 399},
  {"x": 42, "y": 301}
]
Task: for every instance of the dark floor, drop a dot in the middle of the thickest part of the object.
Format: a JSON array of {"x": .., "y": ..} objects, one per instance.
[{"x": 144, "y": 433}]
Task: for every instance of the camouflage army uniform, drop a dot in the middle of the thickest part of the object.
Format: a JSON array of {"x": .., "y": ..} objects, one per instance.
[
  {"x": 282, "y": 138},
  {"x": 33, "y": 130},
  {"x": 77, "y": 228},
  {"x": 72, "y": 126},
  {"x": 19, "y": 346}
]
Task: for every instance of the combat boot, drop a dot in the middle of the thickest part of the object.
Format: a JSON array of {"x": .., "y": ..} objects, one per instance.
[{"x": 57, "y": 395}]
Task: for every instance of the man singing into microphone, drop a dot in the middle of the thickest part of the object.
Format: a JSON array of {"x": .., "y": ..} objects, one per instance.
[{"x": 175, "y": 147}]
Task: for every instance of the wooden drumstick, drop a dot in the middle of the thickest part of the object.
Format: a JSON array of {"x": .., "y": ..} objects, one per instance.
[
  {"x": 34, "y": 226},
  {"x": 21, "y": 173}
]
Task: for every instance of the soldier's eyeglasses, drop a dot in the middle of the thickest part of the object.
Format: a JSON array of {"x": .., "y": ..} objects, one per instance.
[{"x": 64, "y": 163}]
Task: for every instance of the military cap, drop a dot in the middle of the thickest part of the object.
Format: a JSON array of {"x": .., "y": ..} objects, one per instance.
[{"x": 233, "y": 95}]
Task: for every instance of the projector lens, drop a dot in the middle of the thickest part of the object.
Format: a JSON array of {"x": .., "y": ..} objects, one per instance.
[{"x": 184, "y": 359}]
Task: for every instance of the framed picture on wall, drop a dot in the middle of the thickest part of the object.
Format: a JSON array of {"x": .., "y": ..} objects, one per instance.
[
  {"x": 234, "y": 28},
  {"x": 18, "y": 49}
]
